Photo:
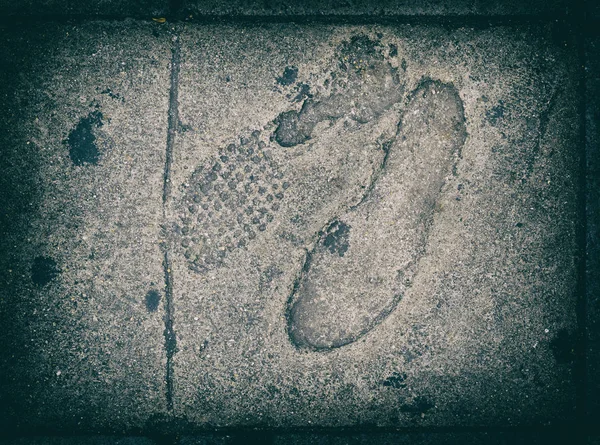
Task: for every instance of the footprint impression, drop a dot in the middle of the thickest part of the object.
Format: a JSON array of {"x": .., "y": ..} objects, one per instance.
[
  {"x": 363, "y": 261},
  {"x": 233, "y": 197},
  {"x": 228, "y": 201},
  {"x": 366, "y": 86}
]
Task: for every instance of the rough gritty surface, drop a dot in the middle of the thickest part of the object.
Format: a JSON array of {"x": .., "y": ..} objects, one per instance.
[
  {"x": 362, "y": 88},
  {"x": 83, "y": 118},
  {"x": 381, "y": 238},
  {"x": 484, "y": 333},
  {"x": 122, "y": 312},
  {"x": 382, "y": 8}
]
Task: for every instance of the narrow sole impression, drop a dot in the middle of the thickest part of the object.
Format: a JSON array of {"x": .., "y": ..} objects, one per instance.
[{"x": 364, "y": 261}]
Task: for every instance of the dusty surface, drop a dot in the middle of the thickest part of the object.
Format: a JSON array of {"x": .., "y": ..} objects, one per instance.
[
  {"x": 165, "y": 193},
  {"x": 249, "y": 8},
  {"x": 62, "y": 8},
  {"x": 83, "y": 136},
  {"x": 484, "y": 332},
  {"x": 367, "y": 8},
  {"x": 381, "y": 238}
]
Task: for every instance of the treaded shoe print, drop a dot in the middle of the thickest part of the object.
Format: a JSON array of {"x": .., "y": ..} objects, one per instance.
[
  {"x": 236, "y": 194},
  {"x": 228, "y": 200},
  {"x": 365, "y": 86}
]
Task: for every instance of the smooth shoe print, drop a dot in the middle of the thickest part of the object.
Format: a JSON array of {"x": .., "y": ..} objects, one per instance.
[{"x": 381, "y": 239}]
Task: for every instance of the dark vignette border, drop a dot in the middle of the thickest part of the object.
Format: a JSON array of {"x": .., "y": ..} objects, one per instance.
[{"x": 167, "y": 431}]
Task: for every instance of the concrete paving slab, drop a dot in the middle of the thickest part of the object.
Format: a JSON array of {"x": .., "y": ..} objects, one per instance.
[
  {"x": 369, "y": 8},
  {"x": 83, "y": 135},
  {"x": 404, "y": 197}
]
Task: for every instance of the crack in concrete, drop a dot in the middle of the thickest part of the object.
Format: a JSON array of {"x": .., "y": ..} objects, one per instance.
[
  {"x": 173, "y": 123},
  {"x": 169, "y": 333}
]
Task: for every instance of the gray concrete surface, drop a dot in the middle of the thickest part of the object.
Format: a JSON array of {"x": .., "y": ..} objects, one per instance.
[
  {"x": 358, "y": 8},
  {"x": 83, "y": 133},
  {"x": 482, "y": 333},
  {"x": 288, "y": 226}
]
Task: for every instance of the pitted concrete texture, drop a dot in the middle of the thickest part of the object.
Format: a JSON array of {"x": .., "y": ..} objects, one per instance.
[
  {"x": 440, "y": 222},
  {"x": 368, "y": 86},
  {"x": 359, "y": 8},
  {"x": 83, "y": 137},
  {"x": 383, "y": 236},
  {"x": 287, "y": 226}
]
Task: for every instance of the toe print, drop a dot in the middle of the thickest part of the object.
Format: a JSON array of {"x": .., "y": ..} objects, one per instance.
[
  {"x": 365, "y": 86},
  {"x": 381, "y": 239}
]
